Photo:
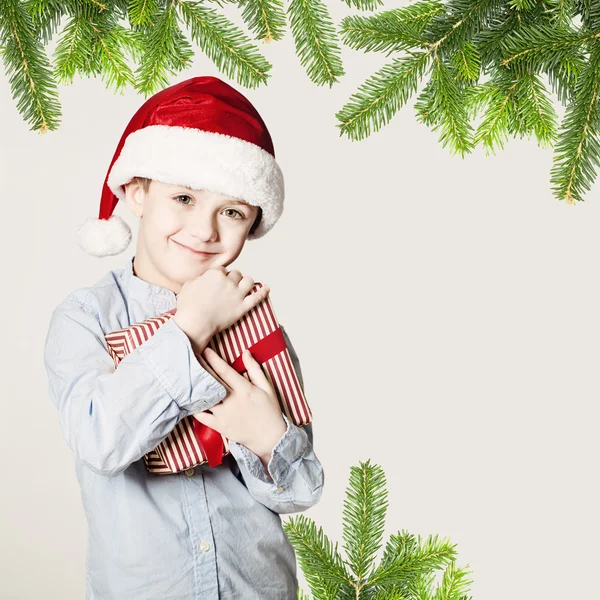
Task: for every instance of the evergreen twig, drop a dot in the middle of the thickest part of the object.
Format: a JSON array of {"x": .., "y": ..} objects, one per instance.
[{"x": 407, "y": 569}]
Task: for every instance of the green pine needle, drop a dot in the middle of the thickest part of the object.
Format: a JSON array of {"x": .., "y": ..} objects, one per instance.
[
  {"x": 498, "y": 59},
  {"x": 319, "y": 559},
  {"x": 225, "y": 44},
  {"x": 364, "y": 517},
  {"x": 441, "y": 106},
  {"x": 166, "y": 51},
  {"x": 382, "y": 95},
  {"x": 315, "y": 40},
  {"x": 408, "y": 565},
  {"x": 266, "y": 18},
  {"x": 31, "y": 78},
  {"x": 391, "y": 30},
  {"x": 577, "y": 152}
]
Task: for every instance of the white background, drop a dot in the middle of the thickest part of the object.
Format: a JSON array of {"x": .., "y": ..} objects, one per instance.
[{"x": 445, "y": 313}]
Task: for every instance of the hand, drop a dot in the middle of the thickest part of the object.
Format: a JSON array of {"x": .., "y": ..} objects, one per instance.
[
  {"x": 213, "y": 301},
  {"x": 250, "y": 413}
]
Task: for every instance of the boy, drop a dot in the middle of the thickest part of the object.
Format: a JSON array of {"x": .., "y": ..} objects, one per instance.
[{"x": 196, "y": 165}]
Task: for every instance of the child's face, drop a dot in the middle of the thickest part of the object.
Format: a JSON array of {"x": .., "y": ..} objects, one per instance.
[{"x": 175, "y": 221}]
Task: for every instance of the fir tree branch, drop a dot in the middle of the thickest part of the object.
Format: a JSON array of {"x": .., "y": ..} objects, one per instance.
[
  {"x": 31, "y": 77},
  {"x": 315, "y": 40},
  {"x": 541, "y": 46},
  {"x": 225, "y": 44},
  {"x": 110, "y": 43},
  {"x": 590, "y": 13},
  {"x": 442, "y": 107},
  {"x": 454, "y": 584},
  {"x": 143, "y": 13},
  {"x": 166, "y": 51},
  {"x": 500, "y": 113},
  {"x": 536, "y": 114},
  {"x": 404, "y": 559},
  {"x": 320, "y": 561},
  {"x": 364, "y": 4},
  {"x": 266, "y": 18},
  {"x": 381, "y": 96},
  {"x": 364, "y": 517},
  {"x": 391, "y": 30},
  {"x": 463, "y": 19},
  {"x": 46, "y": 16},
  {"x": 577, "y": 151},
  {"x": 467, "y": 63}
]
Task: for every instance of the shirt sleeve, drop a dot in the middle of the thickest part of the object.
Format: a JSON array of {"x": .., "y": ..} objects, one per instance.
[
  {"x": 112, "y": 417},
  {"x": 295, "y": 477}
]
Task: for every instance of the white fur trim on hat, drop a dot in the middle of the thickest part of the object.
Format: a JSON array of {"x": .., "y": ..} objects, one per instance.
[
  {"x": 203, "y": 160},
  {"x": 104, "y": 237}
]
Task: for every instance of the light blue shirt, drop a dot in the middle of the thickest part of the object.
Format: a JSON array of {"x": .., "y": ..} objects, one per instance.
[{"x": 204, "y": 534}]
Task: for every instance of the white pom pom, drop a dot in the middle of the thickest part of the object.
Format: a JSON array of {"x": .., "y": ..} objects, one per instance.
[{"x": 104, "y": 237}]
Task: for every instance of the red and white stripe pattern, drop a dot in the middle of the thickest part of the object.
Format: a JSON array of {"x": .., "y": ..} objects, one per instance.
[{"x": 181, "y": 450}]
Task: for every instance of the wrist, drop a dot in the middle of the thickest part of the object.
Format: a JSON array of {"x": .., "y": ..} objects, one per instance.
[
  {"x": 266, "y": 452},
  {"x": 199, "y": 336}
]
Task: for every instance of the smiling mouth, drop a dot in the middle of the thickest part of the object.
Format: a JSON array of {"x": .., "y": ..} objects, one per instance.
[{"x": 194, "y": 251}]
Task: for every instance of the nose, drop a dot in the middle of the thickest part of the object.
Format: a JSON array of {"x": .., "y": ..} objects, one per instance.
[{"x": 203, "y": 225}]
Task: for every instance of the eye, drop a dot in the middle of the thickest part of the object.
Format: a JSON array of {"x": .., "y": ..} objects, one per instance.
[
  {"x": 236, "y": 211},
  {"x": 183, "y": 196}
]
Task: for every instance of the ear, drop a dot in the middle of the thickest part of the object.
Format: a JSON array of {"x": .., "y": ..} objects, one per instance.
[{"x": 134, "y": 196}]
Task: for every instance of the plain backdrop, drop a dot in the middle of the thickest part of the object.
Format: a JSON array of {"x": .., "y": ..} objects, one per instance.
[{"x": 445, "y": 312}]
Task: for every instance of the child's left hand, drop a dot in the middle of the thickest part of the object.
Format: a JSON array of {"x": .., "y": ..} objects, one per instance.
[{"x": 250, "y": 413}]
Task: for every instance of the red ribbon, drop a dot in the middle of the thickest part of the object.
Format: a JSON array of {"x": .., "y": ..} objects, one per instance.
[{"x": 211, "y": 440}]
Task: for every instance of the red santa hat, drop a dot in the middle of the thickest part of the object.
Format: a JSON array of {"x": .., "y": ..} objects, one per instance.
[{"x": 200, "y": 133}]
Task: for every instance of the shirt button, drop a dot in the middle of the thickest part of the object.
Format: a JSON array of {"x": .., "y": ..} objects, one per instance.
[
  {"x": 278, "y": 489},
  {"x": 204, "y": 546},
  {"x": 189, "y": 472}
]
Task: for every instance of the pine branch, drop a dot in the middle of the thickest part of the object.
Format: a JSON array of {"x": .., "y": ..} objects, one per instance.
[
  {"x": 143, "y": 13},
  {"x": 462, "y": 20},
  {"x": 590, "y": 14},
  {"x": 31, "y": 77},
  {"x": 46, "y": 16},
  {"x": 266, "y": 18},
  {"x": 225, "y": 44},
  {"x": 381, "y": 96},
  {"x": 364, "y": 517},
  {"x": 536, "y": 114},
  {"x": 364, "y": 4},
  {"x": 315, "y": 40},
  {"x": 441, "y": 106},
  {"x": 454, "y": 585},
  {"x": 320, "y": 561},
  {"x": 392, "y": 30},
  {"x": 501, "y": 111},
  {"x": 166, "y": 51},
  {"x": 404, "y": 558},
  {"x": 577, "y": 151}
]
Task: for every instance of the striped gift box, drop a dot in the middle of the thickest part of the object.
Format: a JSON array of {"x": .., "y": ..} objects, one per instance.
[{"x": 258, "y": 330}]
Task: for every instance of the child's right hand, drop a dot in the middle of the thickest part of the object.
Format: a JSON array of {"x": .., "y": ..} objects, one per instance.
[{"x": 213, "y": 301}]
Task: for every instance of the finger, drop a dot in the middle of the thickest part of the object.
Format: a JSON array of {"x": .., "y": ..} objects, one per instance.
[
  {"x": 245, "y": 284},
  {"x": 251, "y": 300},
  {"x": 223, "y": 369},
  {"x": 205, "y": 418},
  {"x": 255, "y": 373},
  {"x": 235, "y": 275}
]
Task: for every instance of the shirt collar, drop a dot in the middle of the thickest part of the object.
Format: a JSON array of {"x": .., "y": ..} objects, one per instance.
[{"x": 161, "y": 297}]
